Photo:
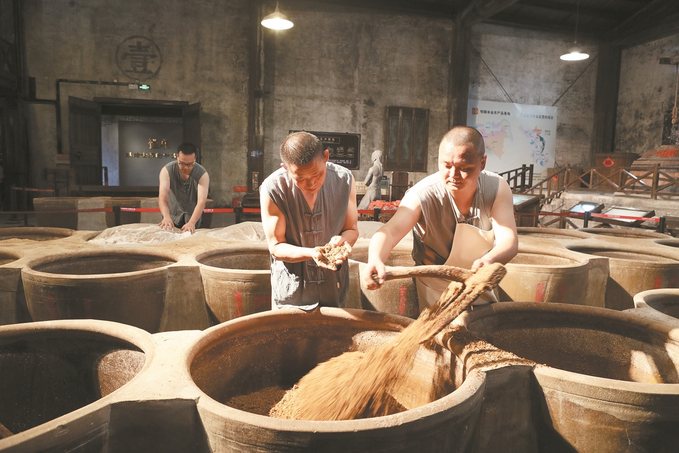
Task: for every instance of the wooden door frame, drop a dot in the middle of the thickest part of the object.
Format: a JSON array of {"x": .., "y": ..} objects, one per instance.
[{"x": 139, "y": 102}]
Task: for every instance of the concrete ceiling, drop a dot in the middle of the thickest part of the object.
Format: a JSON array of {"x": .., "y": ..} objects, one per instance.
[{"x": 619, "y": 22}]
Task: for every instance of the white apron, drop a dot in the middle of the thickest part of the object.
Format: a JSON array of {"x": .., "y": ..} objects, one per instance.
[{"x": 469, "y": 244}]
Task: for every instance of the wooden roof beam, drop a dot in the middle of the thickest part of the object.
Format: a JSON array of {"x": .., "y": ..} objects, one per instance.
[
  {"x": 556, "y": 27},
  {"x": 584, "y": 11},
  {"x": 480, "y": 10},
  {"x": 422, "y": 8},
  {"x": 658, "y": 19}
]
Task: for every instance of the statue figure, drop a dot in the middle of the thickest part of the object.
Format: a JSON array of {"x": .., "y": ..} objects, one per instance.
[{"x": 372, "y": 180}]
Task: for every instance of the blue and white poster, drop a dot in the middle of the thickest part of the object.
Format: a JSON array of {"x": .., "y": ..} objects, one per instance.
[{"x": 515, "y": 134}]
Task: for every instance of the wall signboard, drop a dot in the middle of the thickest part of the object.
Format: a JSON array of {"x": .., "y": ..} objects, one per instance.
[
  {"x": 515, "y": 134},
  {"x": 344, "y": 148}
]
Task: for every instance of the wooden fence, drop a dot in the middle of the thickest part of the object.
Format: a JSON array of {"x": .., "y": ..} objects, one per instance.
[
  {"x": 649, "y": 181},
  {"x": 519, "y": 179}
]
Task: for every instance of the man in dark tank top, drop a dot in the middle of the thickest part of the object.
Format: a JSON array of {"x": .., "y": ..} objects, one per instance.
[
  {"x": 307, "y": 203},
  {"x": 183, "y": 190}
]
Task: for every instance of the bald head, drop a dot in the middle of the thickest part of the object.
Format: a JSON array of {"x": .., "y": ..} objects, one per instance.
[{"x": 464, "y": 136}]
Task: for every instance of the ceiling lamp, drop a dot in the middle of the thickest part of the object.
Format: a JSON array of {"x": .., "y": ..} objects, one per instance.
[
  {"x": 575, "y": 53},
  {"x": 277, "y": 20}
]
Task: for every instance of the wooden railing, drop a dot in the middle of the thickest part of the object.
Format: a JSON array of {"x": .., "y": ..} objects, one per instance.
[
  {"x": 519, "y": 179},
  {"x": 651, "y": 181}
]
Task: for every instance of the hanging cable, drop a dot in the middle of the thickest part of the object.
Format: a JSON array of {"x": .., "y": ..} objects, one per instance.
[
  {"x": 491, "y": 73},
  {"x": 676, "y": 94},
  {"x": 576, "y": 79}
]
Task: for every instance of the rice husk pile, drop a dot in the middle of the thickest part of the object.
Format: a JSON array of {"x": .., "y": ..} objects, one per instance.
[
  {"x": 138, "y": 233},
  {"x": 476, "y": 353},
  {"x": 259, "y": 402},
  {"x": 361, "y": 384}
]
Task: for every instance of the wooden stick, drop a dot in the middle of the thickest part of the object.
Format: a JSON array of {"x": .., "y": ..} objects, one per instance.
[{"x": 441, "y": 271}]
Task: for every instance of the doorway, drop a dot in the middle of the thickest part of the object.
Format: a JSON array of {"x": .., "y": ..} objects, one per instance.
[{"x": 125, "y": 142}]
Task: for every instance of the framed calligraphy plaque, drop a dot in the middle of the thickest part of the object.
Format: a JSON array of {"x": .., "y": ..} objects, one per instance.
[{"x": 344, "y": 148}]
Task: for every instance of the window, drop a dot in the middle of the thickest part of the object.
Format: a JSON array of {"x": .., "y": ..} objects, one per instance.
[{"x": 406, "y": 139}]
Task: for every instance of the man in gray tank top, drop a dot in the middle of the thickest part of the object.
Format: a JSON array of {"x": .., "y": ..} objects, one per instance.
[
  {"x": 307, "y": 203},
  {"x": 183, "y": 190},
  {"x": 461, "y": 192}
]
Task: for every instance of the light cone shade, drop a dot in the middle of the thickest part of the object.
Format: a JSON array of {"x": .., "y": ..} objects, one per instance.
[
  {"x": 574, "y": 54},
  {"x": 277, "y": 21}
]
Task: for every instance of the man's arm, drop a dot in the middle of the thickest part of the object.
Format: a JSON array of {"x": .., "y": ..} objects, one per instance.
[
  {"x": 349, "y": 232},
  {"x": 203, "y": 188},
  {"x": 274, "y": 223},
  {"x": 504, "y": 225},
  {"x": 163, "y": 197},
  {"x": 386, "y": 238}
]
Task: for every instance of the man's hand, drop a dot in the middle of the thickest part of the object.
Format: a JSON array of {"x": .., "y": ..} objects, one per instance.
[
  {"x": 319, "y": 259},
  {"x": 343, "y": 252},
  {"x": 190, "y": 226},
  {"x": 483, "y": 261},
  {"x": 331, "y": 255},
  {"x": 372, "y": 275},
  {"x": 166, "y": 224}
]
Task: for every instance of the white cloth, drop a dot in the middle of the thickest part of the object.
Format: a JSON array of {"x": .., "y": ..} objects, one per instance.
[
  {"x": 469, "y": 244},
  {"x": 443, "y": 235}
]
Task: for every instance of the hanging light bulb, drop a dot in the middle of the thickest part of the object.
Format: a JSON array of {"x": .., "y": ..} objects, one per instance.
[
  {"x": 575, "y": 53},
  {"x": 277, "y": 20}
]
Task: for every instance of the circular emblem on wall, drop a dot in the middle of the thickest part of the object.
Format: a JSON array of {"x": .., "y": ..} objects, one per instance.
[{"x": 139, "y": 58}]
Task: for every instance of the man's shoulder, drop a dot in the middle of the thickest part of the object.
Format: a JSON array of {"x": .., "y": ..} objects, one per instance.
[
  {"x": 276, "y": 174},
  {"x": 275, "y": 179},
  {"x": 428, "y": 181},
  {"x": 489, "y": 174},
  {"x": 340, "y": 170},
  {"x": 429, "y": 188}
]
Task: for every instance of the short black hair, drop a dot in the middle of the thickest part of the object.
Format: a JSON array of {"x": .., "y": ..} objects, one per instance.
[
  {"x": 462, "y": 135},
  {"x": 186, "y": 148},
  {"x": 300, "y": 148}
]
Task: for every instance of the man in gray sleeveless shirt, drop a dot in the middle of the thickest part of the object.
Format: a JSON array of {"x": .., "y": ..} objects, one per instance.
[
  {"x": 308, "y": 203},
  {"x": 461, "y": 192},
  {"x": 183, "y": 190}
]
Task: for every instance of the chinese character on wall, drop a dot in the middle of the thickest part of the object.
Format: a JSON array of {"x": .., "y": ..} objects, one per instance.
[{"x": 139, "y": 58}]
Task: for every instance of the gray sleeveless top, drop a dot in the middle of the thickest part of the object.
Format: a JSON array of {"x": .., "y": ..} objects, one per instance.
[
  {"x": 304, "y": 284},
  {"x": 183, "y": 194},
  {"x": 434, "y": 231}
]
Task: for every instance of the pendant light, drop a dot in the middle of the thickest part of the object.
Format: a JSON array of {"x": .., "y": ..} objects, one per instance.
[
  {"x": 277, "y": 20},
  {"x": 575, "y": 53}
]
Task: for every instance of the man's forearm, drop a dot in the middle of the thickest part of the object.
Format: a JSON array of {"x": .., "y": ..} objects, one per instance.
[
  {"x": 380, "y": 247},
  {"x": 503, "y": 252},
  {"x": 197, "y": 212},
  {"x": 350, "y": 236},
  {"x": 291, "y": 253},
  {"x": 164, "y": 208}
]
